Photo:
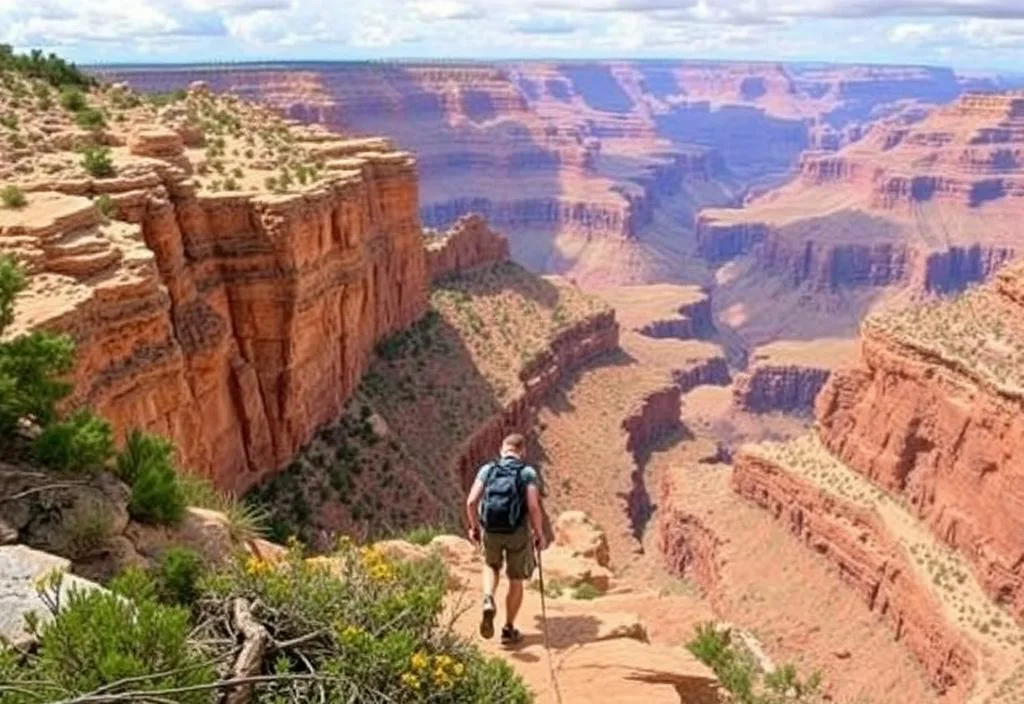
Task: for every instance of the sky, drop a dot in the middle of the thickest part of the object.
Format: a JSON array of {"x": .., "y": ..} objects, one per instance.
[{"x": 965, "y": 34}]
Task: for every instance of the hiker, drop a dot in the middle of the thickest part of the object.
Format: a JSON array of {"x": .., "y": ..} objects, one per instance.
[{"x": 505, "y": 503}]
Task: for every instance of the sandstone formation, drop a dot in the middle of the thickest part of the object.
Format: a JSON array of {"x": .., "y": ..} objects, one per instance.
[
  {"x": 868, "y": 559},
  {"x": 932, "y": 412},
  {"x": 593, "y": 169},
  {"x": 469, "y": 243},
  {"x": 916, "y": 206},
  {"x": 787, "y": 376},
  {"x": 234, "y": 322}
]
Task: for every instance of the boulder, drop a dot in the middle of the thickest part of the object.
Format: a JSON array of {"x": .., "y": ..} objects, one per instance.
[
  {"x": 107, "y": 561},
  {"x": 462, "y": 559},
  {"x": 205, "y": 531},
  {"x": 562, "y": 566},
  {"x": 577, "y": 532},
  {"x": 20, "y": 568},
  {"x": 60, "y": 514},
  {"x": 156, "y": 142}
]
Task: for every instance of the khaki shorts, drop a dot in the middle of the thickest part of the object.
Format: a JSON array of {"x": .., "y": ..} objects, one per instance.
[{"x": 515, "y": 550}]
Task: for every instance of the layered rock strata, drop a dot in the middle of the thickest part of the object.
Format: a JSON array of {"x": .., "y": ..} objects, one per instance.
[
  {"x": 926, "y": 203},
  {"x": 568, "y": 352},
  {"x": 932, "y": 411},
  {"x": 858, "y": 544},
  {"x": 233, "y": 323},
  {"x": 787, "y": 376},
  {"x": 469, "y": 243}
]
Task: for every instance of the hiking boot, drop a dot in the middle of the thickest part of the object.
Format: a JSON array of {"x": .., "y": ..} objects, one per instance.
[
  {"x": 510, "y": 636},
  {"x": 487, "y": 617}
]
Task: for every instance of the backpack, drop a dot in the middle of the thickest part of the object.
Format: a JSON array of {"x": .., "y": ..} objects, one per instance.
[{"x": 501, "y": 510}]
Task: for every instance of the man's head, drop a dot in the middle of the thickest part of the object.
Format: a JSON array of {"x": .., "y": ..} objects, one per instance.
[{"x": 514, "y": 445}]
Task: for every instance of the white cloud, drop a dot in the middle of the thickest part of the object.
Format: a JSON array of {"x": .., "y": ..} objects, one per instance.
[{"x": 911, "y": 33}]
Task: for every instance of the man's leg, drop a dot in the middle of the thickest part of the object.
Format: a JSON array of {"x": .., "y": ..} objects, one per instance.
[
  {"x": 519, "y": 570},
  {"x": 489, "y": 578},
  {"x": 513, "y": 601}
]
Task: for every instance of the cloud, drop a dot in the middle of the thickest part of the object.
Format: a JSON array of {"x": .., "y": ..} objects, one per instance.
[
  {"x": 544, "y": 24},
  {"x": 447, "y": 10},
  {"x": 910, "y": 33}
]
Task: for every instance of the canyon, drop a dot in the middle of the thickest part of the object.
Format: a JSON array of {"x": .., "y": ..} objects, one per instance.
[{"x": 654, "y": 269}]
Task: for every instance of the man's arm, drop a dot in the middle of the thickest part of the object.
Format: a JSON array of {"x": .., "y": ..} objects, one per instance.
[
  {"x": 536, "y": 515},
  {"x": 473, "y": 510}
]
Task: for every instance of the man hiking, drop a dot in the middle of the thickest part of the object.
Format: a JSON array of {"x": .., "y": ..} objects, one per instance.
[{"x": 505, "y": 503}]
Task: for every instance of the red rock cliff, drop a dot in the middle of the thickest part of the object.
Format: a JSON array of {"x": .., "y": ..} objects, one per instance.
[
  {"x": 244, "y": 321},
  {"x": 469, "y": 243},
  {"x": 933, "y": 411},
  {"x": 869, "y": 560}
]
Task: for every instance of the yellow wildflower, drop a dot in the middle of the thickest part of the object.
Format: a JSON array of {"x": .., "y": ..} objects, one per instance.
[
  {"x": 352, "y": 632},
  {"x": 256, "y": 566},
  {"x": 420, "y": 661},
  {"x": 411, "y": 681}
]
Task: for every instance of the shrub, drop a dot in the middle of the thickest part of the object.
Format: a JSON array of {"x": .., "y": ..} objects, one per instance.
[
  {"x": 9, "y": 120},
  {"x": 97, "y": 162},
  {"x": 12, "y": 197},
  {"x": 739, "y": 675},
  {"x": 83, "y": 444},
  {"x": 371, "y": 623},
  {"x": 422, "y": 535},
  {"x": 90, "y": 119},
  {"x": 146, "y": 465},
  {"x": 178, "y": 576},
  {"x": 247, "y": 519},
  {"x": 88, "y": 532},
  {"x": 586, "y": 592},
  {"x": 72, "y": 99},
  {"x": 31, "y": 366},
  {"x": 98, "y": 638},
  {"x": 106, "y": 205},
  {"x": 50, "y": 68}
]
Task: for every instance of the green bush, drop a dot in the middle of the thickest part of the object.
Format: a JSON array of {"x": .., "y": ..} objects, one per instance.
[
  {"x": 373, "y": 631},
  {"x": 97, "y": 161},
  {"x": 147, "y": 466},
  {"x": 97, "y": 639},
  {"x": 586, "y": 592},
  {"x": 72, "y": 99},
  {"x": 9, "y": 120},
  {"x": 90, "y": 119},
  {"x": 739, "y": 675},
  {"x": 51, "y": 68},
  {"x": 106, "y": 205},
  {"x": 360, "y": 629},
  {"x": 31, "y": 366},
  {"x": 178, "y": 576},
  {"x": 422, "y": 535},
  {"x": 83, "y": 444},
  {"x": 12, "y": 197}
]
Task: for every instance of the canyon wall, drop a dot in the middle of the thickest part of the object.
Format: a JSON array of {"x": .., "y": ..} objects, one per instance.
[
  {"x": 569, "y": 351},
  {"x": 655, "y": 416},
  {"x": 234, "y": 324},
  {"x": 468, "y": 244},
  {"x": 561, "y": 156},
  {"x": 857, "y": 543},
  {"x": 933, "y": 412},
  {"x": 695, "y": 321},
  {"x": 770, "y": 387}
]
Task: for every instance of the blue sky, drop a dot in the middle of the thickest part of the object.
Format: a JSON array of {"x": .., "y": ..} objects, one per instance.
[{"x": 966, "y": 34}]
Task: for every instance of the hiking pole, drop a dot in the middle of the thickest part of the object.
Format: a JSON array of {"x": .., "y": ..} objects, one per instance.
[{"x": 544, "y": 622}]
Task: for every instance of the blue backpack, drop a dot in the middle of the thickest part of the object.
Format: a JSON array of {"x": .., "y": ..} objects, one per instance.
[{"x": 501, "y": 510}]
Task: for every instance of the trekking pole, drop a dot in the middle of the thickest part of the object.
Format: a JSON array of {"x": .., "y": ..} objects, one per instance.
[{"x": 544, "y": 622}]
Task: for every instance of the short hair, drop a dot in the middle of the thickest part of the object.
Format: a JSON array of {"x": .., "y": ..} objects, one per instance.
[{"x": 514, "y": 443}]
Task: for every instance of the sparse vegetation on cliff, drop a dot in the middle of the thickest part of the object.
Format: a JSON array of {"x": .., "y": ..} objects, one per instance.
[
  {"x": 740, "y": 676},
  {"x": 386, "y": 465},
  {"x": 31, "y": 366},
  {"x": 12, "y": 197},
  {"x": 974, "y": 332},
  {"x": 357, "y": 627}
]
